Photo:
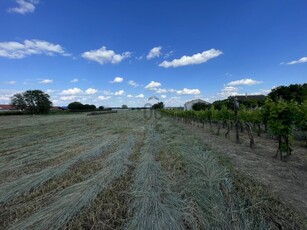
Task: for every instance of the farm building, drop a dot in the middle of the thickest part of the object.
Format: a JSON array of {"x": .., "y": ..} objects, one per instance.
[
  {"x": 57, "y": 108},
  {"x": 7, "y": 107},
  {"x": 188, "y": 105}
]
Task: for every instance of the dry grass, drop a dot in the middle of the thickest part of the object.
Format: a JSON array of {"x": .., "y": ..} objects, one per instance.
[
  {"x": 154, "y": 205},
  {"x": 68, "y": 202},
  {"x": 120, "y": 171}
]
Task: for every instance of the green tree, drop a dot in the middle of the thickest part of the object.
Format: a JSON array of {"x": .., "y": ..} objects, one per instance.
[
  {"x": 124, "y": 107},
  {"x": 75, "y": 106},
  {"x": 294, "y": 92},
  {"x": 200, "y": 106},
  {"x": 159, "y": 105},
  {"x": 32, "y": 101}
]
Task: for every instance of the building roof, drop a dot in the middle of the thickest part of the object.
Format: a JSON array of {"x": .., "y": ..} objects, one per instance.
[
  {"x": 7, "y": 107},
  {"x": 251, "y": 97},
  {"x": 196, "y": 101}
]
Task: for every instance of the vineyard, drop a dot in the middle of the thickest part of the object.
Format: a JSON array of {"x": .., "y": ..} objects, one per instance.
[
  {"x": 282, "y": 120},
  {"x": 125, "y": 171}
]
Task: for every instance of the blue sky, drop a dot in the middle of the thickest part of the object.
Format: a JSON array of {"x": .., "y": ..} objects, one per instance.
[{"x": 122, "y": 52}]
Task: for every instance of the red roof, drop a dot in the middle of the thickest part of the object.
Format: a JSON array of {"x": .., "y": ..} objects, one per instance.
[{"x": 7, "y": 107}]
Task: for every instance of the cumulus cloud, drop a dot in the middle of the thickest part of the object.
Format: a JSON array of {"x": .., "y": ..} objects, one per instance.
[
  {"x": 91, "y": 91},
  {"x": 186, "y": 91},
  {"x": 153, "y": 85},
  {"x": 228, "y": 91},
  {"x": 140, "y": 96},
  {"x": 117, "y": 80},
  {"x": 154, "y": 52},
  {"x": 129, "y": 96},
  {"x": 73, "y": 91},
  {"x": 68, "y": 98},
  {"x": 192, "y": 60},
  {"x": 133, "y": 83},
  {"x": 246, "y": 81},
  {"x": 103, "y": 98},
  {"x": 16, "y": 50},
  {"x": 46, "y": 81},
  {"x": 103, "y": 56},
  {"x": 299, "y": 61},
  {"x": 6, "y": 94},
  {"x": 159, "y": 90},
  {"x": 75, "y": 80},
  {"x": 163, "y": 96},
  {"x": 24, "y": 6},
  {"x": 119, "y": 93}
]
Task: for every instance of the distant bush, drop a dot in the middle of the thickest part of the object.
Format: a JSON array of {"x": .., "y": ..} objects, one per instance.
[{"x": 8, "y": 113}]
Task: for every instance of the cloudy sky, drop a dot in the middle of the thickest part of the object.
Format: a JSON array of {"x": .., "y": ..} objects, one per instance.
[{"x": 122, "y": 52}]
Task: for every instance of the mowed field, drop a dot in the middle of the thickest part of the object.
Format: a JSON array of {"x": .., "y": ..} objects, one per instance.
[{"x": 115, "y": 171}]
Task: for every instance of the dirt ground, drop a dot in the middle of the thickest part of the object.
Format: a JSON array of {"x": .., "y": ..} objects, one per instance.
[{"x": 287, "y": 179}]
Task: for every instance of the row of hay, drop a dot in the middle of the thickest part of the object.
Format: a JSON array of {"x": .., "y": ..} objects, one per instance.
[
  {"x": 207, "y": 185},
  {"x": 153, "y": 205},
  {"x": 68, "y": 202},
  {"x": 29, "y": 182},
  {"x": 23, "y": 153}
]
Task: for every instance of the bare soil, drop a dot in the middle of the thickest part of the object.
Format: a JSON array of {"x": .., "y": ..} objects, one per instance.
[{"x": 286, "y": 179}]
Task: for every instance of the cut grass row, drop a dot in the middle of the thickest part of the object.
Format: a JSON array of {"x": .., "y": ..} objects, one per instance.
[
  {"x": 153, "y": 205},
  {"x": 69, "y": 201},
  {"x": 29, "y": 182},
  {"x": 249, "y": 205},
  {"x": 110, "y": 208}
]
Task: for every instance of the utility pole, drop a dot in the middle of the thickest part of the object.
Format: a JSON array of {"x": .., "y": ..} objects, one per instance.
[{"x": 236, "y": 107}]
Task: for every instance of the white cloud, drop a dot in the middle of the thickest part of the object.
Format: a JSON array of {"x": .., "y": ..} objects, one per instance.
[
  {"x": 68, "y": 98},
  {"x": 119, "y": 93},
  {"x": 301, "y": 60},
  {"x": 246, "y": 81},
  {"x": 192, "y": 60},
  {"x": 159, "y": 90},
  {"x": 103, "y": 56},
  {"x": 228, "y": 91},
  {"x": 46, "y": 81},
  {"x": 154, "y": 52},
  {"x": 163, "y": 96},
  {"x": 91, "y": 91},
  {"x": 129, "y": 96},
  {"x": 75, "y": 80},
  {"x": 16, "y": 50},
  {"x": 133, "y": 83},
  {"x": 153, "y": 85},
  {"x": 73, "y": 91},
  {"x": 24, "y": 6},
  {"x": 186, "y": 91},
  {"x": 10, "y": 82},
  {"x": 103, "y": 98},
  {"x": 6, "y": 94},
  {"x": 140, "y": 96},
  {"x": 117, "y": 80}
]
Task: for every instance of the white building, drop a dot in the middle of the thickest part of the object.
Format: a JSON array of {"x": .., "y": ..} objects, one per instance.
[{"x": 188, "y": 105}]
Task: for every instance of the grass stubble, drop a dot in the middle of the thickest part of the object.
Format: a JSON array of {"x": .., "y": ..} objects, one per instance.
[{"x": 155, "y": 176}]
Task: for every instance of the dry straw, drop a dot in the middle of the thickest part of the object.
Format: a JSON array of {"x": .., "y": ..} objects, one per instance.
[
  {"x": 68, "y": 202},
  {"x": 154, "y": 205}
]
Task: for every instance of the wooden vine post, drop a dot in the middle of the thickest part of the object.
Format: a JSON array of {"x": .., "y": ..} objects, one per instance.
[{"x": 236, "y": 120}]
